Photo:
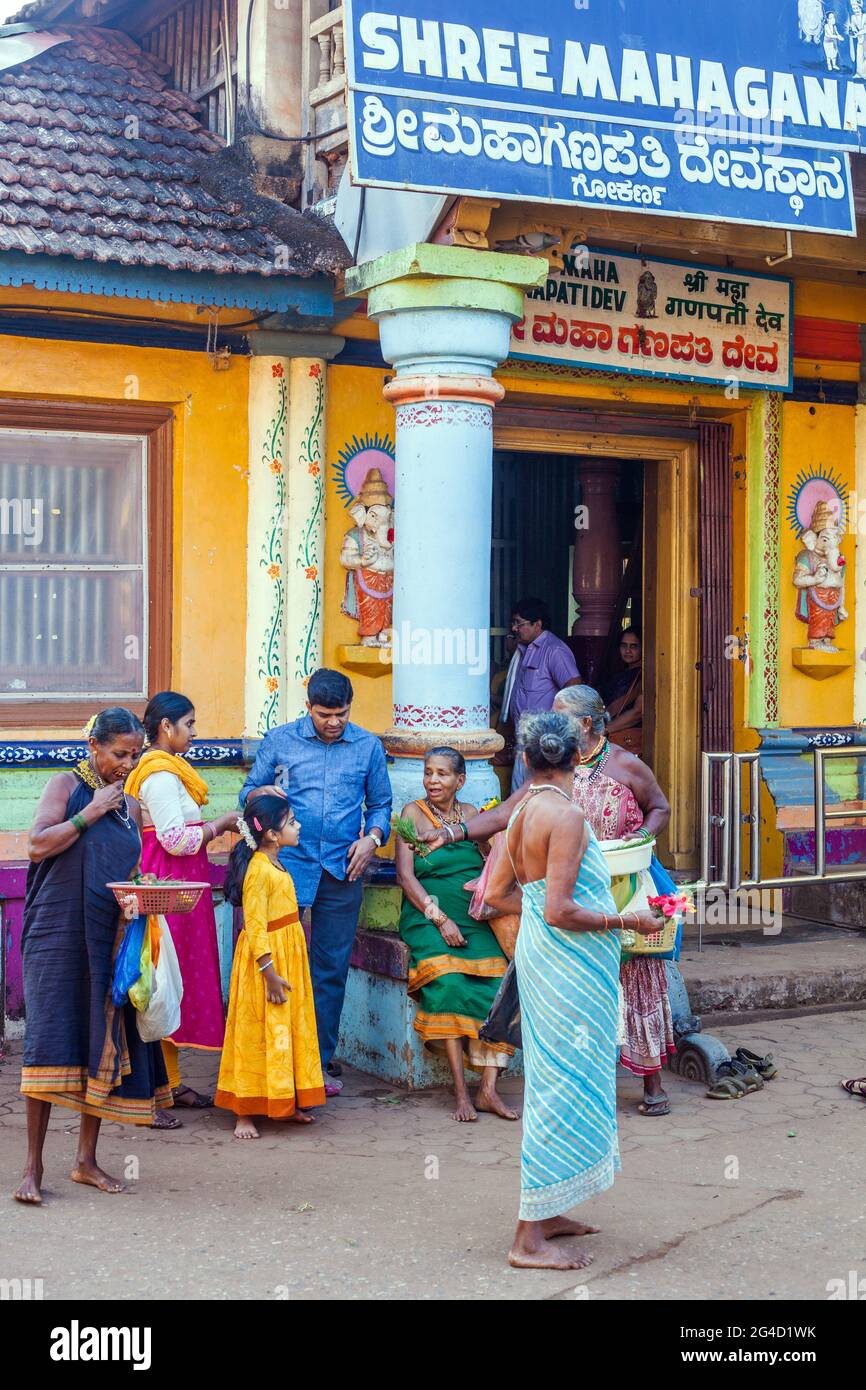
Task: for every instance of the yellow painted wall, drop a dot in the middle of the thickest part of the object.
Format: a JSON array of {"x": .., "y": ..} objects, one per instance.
[
  {"x": 813, "y": 437},
  {"x": 210, "y": 495},
  {"x": 356, "y": 408}
]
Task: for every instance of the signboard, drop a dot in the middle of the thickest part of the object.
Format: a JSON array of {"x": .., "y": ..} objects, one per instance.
[
  {"x": 617, "y": 103},
  {"x": 662, "y": 319}
]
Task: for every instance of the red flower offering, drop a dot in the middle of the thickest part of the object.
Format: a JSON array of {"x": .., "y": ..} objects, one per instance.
[{"x": 671, "y": 904}]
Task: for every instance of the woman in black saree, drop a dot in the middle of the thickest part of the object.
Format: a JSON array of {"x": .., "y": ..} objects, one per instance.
[{"x": 79, "y": 1050}]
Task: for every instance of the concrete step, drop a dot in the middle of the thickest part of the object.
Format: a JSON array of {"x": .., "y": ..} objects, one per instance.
[{"x": 804, "y": 966}]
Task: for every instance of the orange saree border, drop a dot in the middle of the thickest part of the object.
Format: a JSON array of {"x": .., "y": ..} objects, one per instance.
[
  {"x": 488, "y": 967},
  {"x": 434, "y": 1027},
  {"x": 268, "y": 1107}
]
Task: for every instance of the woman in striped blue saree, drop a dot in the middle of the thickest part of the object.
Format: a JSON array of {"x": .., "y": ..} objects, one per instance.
[{"x": 567, "y": 962}]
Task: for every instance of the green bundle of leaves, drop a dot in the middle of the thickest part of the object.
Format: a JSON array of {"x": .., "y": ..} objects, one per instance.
[{"x": 406, "y": 830}]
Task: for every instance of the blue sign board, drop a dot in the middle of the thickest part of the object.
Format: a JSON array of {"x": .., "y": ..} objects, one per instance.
[{"x": 716, "y": 110}]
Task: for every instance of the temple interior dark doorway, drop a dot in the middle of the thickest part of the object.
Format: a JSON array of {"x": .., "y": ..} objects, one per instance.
[{"x": 568, "y": 529}]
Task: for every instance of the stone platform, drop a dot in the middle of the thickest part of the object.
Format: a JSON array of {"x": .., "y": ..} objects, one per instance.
[{"x": 805, "y": 966}]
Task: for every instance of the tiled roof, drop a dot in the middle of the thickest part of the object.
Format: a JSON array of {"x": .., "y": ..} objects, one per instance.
[{"x": 101, "y": 160}]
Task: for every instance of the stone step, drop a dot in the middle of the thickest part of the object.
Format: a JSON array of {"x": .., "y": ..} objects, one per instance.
[{"x": 802, "y": 967}]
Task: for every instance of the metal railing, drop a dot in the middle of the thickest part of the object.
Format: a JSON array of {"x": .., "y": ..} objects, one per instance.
[{"x": 722, "y": 821}]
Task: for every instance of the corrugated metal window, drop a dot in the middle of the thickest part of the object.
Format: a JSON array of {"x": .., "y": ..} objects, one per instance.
[{"x": 73, "y": 565}]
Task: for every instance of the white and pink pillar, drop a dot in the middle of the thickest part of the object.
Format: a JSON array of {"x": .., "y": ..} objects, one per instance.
[{"x": 445, "y": 316}]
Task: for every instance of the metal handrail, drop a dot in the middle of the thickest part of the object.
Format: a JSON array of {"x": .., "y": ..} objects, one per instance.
[{"x": 731, "y": 821}]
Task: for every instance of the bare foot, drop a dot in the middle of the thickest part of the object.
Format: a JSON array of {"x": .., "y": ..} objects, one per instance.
[
  {"x": 493, "y": 1104},
  {"x": 301, "y": 1118},
  {"x": 465, "y": 1109},
  {"x": 30, "y": 1188},
  {"x": 542, "y": 1255},
  {"x": 93, "y": 1176},
  {"x": 562, "y": 1226},
  {"x": 245, "y": 1129}
]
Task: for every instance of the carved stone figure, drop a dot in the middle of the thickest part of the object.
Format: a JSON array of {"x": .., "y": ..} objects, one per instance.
[
  {"x": 368, "y": 555},
  {"x": 819, "y": 575}
]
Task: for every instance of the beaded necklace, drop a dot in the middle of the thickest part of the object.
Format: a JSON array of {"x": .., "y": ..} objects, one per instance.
[
  {"x": 452, "y": 817},
  {"x": 592, "y": 765}
]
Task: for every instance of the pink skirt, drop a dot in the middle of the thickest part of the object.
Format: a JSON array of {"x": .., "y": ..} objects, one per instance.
[{"x": 202, "y": 1019}]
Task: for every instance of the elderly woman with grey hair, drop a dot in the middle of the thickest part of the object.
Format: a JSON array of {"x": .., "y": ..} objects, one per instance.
[{"x": 620, "y": 799}]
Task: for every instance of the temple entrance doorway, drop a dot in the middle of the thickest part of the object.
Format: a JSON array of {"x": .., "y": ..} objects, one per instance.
[{"x": 603, "y": 528}]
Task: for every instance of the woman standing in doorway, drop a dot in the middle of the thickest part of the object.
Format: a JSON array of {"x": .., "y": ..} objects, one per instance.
[{"x": 175, "y": 840}]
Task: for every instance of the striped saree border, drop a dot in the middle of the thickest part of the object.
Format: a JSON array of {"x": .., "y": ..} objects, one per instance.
[
  {"x": 434, "y": 967},
  {"x": 102, "y": 1107},
  {"x": 436, "y": 1027}
]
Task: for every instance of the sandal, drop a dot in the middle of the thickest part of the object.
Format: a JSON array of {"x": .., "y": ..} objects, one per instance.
[
  {"x": 198, "y": 1102},
  {"x": 855, "y": 1087},
  {"x": 764, "y": 1066},
  {"x": 735, "y": 1078},
  {"x": 727, "y": 1088},
  {"x": 658, "y": 1106},
  {"x": 167, "y": 1121}
]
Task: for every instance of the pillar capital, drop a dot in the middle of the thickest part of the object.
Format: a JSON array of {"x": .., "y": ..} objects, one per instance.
[{"x": 427, "y": 276}]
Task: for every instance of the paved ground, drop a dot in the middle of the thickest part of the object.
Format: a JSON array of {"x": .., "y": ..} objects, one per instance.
[{"x": 388, "y": 1198}]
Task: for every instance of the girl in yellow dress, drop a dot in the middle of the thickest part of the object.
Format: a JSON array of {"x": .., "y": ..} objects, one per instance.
[{"x": 270, "y": 1062}]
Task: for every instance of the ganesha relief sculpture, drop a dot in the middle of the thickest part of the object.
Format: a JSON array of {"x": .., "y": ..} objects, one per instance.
[
  {"x": 368, "y": 555},
  {"x": 819, "y": 576}
]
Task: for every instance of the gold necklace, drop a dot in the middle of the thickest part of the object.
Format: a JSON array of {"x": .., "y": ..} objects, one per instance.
[
  {"x": 583, "y": 761},
  {"x": 88, "y": 774}
]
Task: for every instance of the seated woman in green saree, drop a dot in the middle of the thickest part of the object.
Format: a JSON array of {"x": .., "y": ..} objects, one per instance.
[{"x": 456, "y": 963}]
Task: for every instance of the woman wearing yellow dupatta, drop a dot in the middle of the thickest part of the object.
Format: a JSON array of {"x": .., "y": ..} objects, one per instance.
[{"x": 174, "y": 845}]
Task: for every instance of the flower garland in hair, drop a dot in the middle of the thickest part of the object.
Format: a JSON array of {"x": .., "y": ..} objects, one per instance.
[
  {"x": 246, "y": 834},
  {"x": 85, "y": 769}
]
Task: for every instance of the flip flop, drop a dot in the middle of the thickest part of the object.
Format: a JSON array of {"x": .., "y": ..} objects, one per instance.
[
  {"x": 764, "y": 1066},
  {"x": 198, "y": 1102},
  {"x": 855, "y": 1087}
]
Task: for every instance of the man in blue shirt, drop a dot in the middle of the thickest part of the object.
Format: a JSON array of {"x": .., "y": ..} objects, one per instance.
[{"x": 329, "y": 769}]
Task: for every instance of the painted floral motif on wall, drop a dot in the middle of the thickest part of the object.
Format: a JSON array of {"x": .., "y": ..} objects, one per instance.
[
  {"x": 308, "y": 552},
  {"x": 271, "y": 556}
]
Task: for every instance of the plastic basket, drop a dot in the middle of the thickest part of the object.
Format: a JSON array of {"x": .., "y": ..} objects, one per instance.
[
  {"x": 160, "y": 898},
  {"x": 658, "y": 944}
]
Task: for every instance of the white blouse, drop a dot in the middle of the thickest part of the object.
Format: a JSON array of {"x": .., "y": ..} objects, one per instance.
[{"x": 169, "y": 808}]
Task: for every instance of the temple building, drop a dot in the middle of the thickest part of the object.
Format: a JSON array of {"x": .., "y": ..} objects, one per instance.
[{"x": 368, "y": 421}]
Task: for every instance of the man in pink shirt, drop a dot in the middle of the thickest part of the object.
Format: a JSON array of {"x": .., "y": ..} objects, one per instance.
[{"x": 547, "y": 665}]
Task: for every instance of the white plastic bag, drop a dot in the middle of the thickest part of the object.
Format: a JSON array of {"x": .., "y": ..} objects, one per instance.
[{"x": 161, "y": 1018}]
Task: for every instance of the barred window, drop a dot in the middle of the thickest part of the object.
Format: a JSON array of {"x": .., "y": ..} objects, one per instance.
[{"x": 80, "y": 555}]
